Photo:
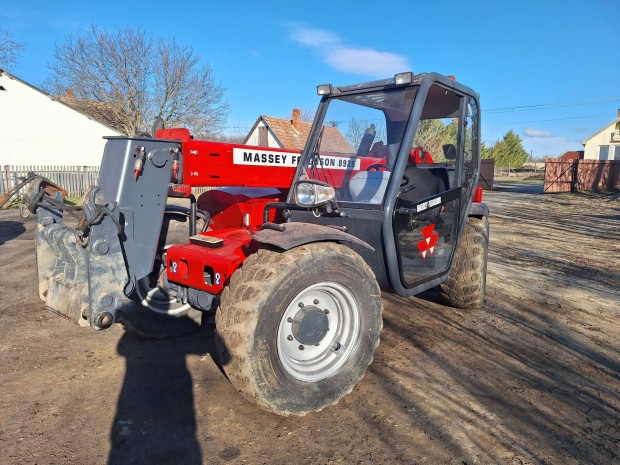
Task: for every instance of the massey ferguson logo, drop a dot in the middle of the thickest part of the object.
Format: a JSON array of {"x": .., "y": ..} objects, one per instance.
[
  {"x": 427, "y": 245},
  {"x": 264, "y": 158},
  {"x": 243, "y": 156}
]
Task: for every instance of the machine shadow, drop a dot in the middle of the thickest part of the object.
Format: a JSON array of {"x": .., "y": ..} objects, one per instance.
[
  {"x": 155, "y": 421},
  {"x": 10, "y": 230}
]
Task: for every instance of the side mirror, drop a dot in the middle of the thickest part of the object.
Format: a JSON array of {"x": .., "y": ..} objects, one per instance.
[{"x": 449, "y": 151}]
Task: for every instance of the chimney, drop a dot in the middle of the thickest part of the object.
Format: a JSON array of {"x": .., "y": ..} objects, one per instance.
[
  {"x": 70, "y": 94},
  {"x": 618, "y": 112},
  {"x": 296, "y": 118}
]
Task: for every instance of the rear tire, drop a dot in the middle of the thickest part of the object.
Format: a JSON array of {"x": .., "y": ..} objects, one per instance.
[
  {"x": 265, "y": 349},
  {"x": 466, "y": 283}
]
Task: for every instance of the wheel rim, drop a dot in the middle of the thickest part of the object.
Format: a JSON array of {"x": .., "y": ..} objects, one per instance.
[
  {"x": 322, "y": 360},
  {"x": 158, "y": 301}
]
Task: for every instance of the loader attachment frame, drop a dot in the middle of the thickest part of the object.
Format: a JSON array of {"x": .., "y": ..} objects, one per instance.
[{"x": 88, "y": 271}]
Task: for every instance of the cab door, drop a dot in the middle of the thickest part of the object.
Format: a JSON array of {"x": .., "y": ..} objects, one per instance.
[{"x": 433, "y": 198}]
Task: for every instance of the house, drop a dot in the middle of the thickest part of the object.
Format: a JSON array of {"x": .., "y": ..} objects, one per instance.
[
  {"x": 292, "y": 134},
  {"x": 605, "y": 143},
  {"x": 39, "y": 129}
]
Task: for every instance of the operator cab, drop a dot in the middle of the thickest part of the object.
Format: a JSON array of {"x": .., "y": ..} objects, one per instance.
[{"x": 394, "y": 162}]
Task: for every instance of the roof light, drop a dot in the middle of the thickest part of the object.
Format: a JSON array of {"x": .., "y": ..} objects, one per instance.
[
  {"x": 403, "y": 78},
  {"x": 324, "y": 89},
  {"x": 452, "y": 78}
]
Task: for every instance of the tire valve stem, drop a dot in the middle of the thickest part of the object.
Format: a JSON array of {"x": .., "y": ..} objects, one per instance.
[{"x": 336, "y": 347}]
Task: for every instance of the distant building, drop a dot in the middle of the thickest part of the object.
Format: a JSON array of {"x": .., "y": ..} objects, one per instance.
[
  {"x": 572, "y": 155},
  {"x": 605, "y": 143},
  {"x": 292, "y": 134},
  {"x": 39, "y": 129}
]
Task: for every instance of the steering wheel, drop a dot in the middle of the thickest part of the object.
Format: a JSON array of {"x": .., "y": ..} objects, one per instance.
[{"x": 376, "y": 167}]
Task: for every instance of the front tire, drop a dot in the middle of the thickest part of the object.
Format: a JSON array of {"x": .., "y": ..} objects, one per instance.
[{"x": 296, "y": 330}]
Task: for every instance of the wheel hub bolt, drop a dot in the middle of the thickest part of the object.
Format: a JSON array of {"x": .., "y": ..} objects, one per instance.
[
  {"x": 301, "y": 347},
  {"x": 289, "y": 338},
  {"x": 289, "y": 319},
  {"x": 300, "y": 305},
  {"x": 326, "y": 311},
  {"x": 316, "y": 301}
]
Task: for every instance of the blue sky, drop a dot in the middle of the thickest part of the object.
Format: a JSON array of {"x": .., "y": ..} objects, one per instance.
[{"x": 549, "y": 70}]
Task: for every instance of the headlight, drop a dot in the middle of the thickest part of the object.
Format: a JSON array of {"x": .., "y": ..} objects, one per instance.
[{"x": 312, "y": 194}]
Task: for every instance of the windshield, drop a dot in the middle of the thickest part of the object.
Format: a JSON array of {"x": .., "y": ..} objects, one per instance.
[{"x": 359, "y": 140}]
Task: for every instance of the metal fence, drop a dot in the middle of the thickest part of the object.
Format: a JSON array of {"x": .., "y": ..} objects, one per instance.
[
  {"x": 582, "y": 175},
  {"x": 76, "y": 180}
]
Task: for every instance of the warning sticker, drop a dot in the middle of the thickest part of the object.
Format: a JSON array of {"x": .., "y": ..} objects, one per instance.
[{"x": 242, "y": 156}]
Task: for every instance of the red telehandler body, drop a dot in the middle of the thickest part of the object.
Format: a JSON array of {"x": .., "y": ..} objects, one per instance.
[{"x": 290, "y": 250}]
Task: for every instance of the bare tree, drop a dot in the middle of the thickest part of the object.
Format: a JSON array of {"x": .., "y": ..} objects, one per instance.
[
  {"x": 10, "y": 49},
  {"x": 139, "y": 78},
  {"x": 307, "y": 115},
  {"x": 356, "y": 129}
]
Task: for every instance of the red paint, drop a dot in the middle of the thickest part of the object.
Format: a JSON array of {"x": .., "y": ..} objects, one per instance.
[
  {"x": 228, "y": 208},
  {"x": 477, "y": 195},
  {"x": 192, "y": 260}
]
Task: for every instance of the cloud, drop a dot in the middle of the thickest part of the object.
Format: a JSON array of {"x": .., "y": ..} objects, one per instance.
[
  {"x": 536, "y": 133},
  {"x": 347, "y": 58}
]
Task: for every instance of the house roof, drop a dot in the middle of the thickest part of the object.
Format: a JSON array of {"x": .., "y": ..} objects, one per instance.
[
  {"x": 105, "y": 112},
  {"x": 604, "y": 128},
  {"x": 294, "y": 136},
  {"x": 572, "y": 155}
]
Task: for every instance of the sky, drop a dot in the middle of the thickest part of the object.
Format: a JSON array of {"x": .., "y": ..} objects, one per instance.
[{"x": 548, "y": 70}]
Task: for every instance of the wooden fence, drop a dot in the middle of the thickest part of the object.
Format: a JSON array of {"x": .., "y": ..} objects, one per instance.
[
  {"x": 76, "y": 180},
  {"x": 581, "y": 175}
]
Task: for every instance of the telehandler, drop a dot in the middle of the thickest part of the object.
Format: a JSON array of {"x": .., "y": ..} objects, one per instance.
[{"x": 290, "y": 250}]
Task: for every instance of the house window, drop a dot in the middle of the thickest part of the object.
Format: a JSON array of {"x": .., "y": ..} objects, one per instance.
[
  {"x": 262, "y": 136},
  {"x": 616, "y": 154},
  {"x": 603, "y": 152}
]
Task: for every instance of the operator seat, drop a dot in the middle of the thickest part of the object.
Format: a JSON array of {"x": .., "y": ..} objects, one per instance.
[
  {"x": 420, "y": 183},
  {"x": 370, "y": 186}
]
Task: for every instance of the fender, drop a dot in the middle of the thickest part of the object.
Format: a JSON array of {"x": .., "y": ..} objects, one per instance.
[
  {"x": 478, "y": 209},
  {"x": 289, "y": 235}
]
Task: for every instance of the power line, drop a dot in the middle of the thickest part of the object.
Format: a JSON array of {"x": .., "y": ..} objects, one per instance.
[
  {"x": 544, "y": 120},
  {"x": 547, "y": 106}
]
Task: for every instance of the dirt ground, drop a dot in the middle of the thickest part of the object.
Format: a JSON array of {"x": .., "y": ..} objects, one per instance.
[{"x": 531, "y": 378}]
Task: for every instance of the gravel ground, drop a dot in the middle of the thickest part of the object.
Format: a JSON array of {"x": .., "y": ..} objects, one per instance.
[{"x": 531, "y": 378}]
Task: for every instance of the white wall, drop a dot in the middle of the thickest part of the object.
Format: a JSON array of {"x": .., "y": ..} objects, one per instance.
[
  {"x": 603, "y": 137},
  {"x": 253, "y": 138},
  {"x": 36, "y": 130}
]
